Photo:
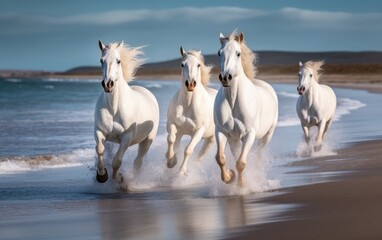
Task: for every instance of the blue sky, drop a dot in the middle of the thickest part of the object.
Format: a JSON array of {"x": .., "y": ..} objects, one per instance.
[{"x": 59, "y": 35}]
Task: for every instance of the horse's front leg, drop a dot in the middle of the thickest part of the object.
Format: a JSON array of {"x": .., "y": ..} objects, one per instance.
[
  {"x": 221, "y": 140},
  {"x": 305, "y": 129},
  {"x": 248, "y": 141},
  {"x": 321, "y": 129},
  {"x": 190, "y": 148},
  {"x": 100, "y": 149},
  {"x": 208, "y": 143},
  {"x": 125, "y": 142},
  {"x": 171, "y": 142}
]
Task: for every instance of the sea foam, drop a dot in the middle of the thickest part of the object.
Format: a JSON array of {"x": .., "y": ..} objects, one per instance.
[{"x": 21, "y": 164}]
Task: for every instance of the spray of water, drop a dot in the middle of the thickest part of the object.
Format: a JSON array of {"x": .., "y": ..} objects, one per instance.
[
  {"x": 205, "y": 174},
  {"x": 329, "y": 144}
]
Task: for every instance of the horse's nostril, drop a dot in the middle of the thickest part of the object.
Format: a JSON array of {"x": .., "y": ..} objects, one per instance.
[
  {"x": 187, "y": 83},
  {"x": 220, "y": 77},
  {"x": 229, "y": 76},
  {"x": 303, "y": 88},
  {"x": 103, "y": 84}
]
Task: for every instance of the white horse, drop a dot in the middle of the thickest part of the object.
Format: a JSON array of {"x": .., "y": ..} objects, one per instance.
[
  {"x": 245, "y": 108},
  {"x": 124, "y": 114},
  {"x": 317, "y": 103},
  {"x": 190, "y": 111}
]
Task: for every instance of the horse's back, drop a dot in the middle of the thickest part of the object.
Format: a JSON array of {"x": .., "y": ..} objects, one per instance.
[
  {"x": 328, "y": 99},
  {"x": 144, "y": 93},
  {"x": 267, "y": 88},
  {"x": 268, "y": 105},
  {"x": 145, "y": 97},
  {"x": 146, "y": 109}
]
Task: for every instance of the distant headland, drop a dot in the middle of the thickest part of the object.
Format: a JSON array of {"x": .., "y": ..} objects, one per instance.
[{"x": 270, "y": 63}]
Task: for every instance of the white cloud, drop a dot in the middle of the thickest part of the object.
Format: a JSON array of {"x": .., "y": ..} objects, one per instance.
[
  {"x": 209, "y": 15},
  {"x": 330, "y": 20},
  {"x": 215, "y": 14},
  {"x": 163, "y": 30}
]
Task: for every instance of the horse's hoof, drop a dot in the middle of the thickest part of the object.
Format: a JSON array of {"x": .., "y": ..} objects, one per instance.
[
  {"x": 102, "y": 178},
  {"x": 241, "y": 183},
  {"x": 121, "y": 179},
  {"x": 231, "y": 177},
  {"x": 318, "y": 148},
  {"x": 183, "y": 173},
  {"x": 172, "y": 162},
  {"x": 118, "y": 178}
]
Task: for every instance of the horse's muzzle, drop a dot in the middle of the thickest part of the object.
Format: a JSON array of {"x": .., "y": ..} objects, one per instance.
[
  {"x": 300, "y": 90},
  {"x": 190, "y": 85},
  {"x": 226, "y": 80},
  {"x": 108, "y": 86}
]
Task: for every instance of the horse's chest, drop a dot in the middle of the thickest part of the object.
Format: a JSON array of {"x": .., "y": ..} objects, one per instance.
[
  {"x": 111, "y": 125},
  {"x": 234, "y": 126},
  {"x": 309, "y": 116}
]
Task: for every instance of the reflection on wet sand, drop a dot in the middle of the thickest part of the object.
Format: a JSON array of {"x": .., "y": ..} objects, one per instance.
[{"x": 140, "y": 217}]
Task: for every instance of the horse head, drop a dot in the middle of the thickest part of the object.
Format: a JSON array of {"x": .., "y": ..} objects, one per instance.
[
  {"x": 230, "y": 58},
  {"x": 191, "y": 68},
  {"x": 111, "y": 65},
  {"x": 308, "y": 73}
]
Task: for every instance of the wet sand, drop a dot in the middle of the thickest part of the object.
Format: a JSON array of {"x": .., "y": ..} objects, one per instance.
[{"x": 348, "y": 207}]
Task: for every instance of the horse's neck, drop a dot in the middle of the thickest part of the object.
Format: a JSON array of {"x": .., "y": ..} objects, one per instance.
[
  {"x": 115, "y": 98},
  {"x": 237, "y": 85},
  {"x": 188, "y": 98},
  {"x": 312, "y": 93}
]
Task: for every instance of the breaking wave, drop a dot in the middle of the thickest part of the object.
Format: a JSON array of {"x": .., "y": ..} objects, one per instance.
[{"x": 21, "y": 164}]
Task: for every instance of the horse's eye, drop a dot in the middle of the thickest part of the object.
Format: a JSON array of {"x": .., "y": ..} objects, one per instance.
[
  {"x": 311, "y": 75},
  {"x": 118, "y": 61},
  {"x": 299, "y": 74},
  {"x": 219, "y": 53},
  {"x": 182, "y": 65},
  {"x": 198, "y": 65},
  {"x": 238, "y": 54}
]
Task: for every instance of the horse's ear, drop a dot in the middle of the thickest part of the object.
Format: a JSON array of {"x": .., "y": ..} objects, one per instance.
[
  {"x": 222, "y": 38},
  {"x": 101, "y": 45},
  {"x": 241, "y": 37},
  {"x": 182, "y": 52},
  {"x": 120, "y": 44},
  {"x": 300, "y": 64}
]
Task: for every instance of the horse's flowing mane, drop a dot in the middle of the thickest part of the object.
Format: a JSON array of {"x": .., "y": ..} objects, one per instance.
[
  {"x": 204, "y": 70},
  {"x": 248, "y": 57},
  {"x": 316, "y": 66},
  {"x": 131, "y": 59}
]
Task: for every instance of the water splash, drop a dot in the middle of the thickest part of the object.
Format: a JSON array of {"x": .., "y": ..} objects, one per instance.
[
  {"x": 205, "y": 174},
  {"x": 329, "y": 144}
]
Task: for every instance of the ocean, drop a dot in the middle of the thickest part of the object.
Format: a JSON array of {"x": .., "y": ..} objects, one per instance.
[{"x": 47, "y": 167}]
